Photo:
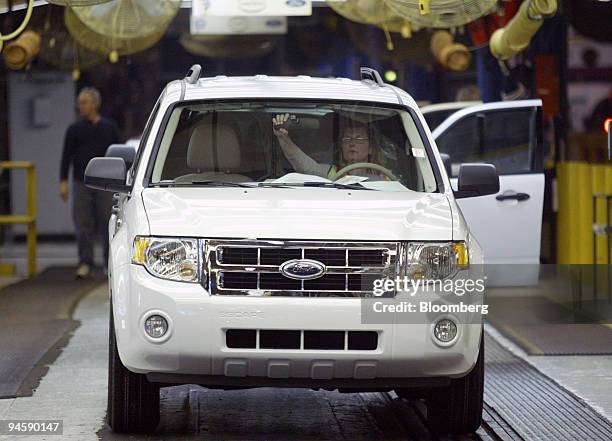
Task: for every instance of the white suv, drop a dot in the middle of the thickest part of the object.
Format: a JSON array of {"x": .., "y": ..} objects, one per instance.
[{"x": 252, "y": 228}]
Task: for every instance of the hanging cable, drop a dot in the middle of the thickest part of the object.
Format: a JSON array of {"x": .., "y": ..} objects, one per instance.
[{"x": 21, "y": 27}]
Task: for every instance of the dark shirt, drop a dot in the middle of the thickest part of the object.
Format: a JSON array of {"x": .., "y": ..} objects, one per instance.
[{"x": 85, "y": 140}]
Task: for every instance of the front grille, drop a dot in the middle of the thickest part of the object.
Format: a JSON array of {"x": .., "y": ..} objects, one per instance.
[
  {"x": 237, "y": 280},
  {"x": 277, "y": 281},
  {"x": 279, "y": 339},
  {"x": 247, "y": 267},
  {"x": 366, "y": 258},
  {"x": 276, "y": 256},
  {"x": 328, "y": 282},
  {"x": 234, "y": 255},
  {"x": 238, "y": 256},
  {"x": 328, "y": 257},
  {"x": 301, "y": 340}
]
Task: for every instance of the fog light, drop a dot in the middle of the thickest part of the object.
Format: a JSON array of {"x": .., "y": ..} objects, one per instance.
[
  {"x": 445, "y": 330},
  {"x": 156, "y": 326}
]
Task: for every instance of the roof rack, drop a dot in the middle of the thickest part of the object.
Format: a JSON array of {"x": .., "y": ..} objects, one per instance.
[
  {"x": 369, "y": 74},
  {"x": 193, "y": 75}
]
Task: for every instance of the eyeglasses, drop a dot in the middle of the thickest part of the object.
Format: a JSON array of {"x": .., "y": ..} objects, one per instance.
[{"x": 357, "y": 140}]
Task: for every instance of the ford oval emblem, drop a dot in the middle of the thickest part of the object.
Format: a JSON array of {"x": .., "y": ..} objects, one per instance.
[
  {"x": 274, "y": 23},
  {"x": 302, "y": 269},
  {"x": 295, "y": 3},
  {"x": 252, "y": 6}
]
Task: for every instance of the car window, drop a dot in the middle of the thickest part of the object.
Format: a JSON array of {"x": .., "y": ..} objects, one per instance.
[
  {"x": 505, "y": 138},
  {"x": 436, "y": 117},
  {"x": 237, "y": 142}
]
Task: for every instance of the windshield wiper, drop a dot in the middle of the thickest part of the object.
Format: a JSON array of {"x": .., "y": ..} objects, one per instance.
[
  {"x": 277, "y": 184},
  {"x": 200, "y": 183},
  {"x": 206, "y": 182},
  {"x": 336, "y": 185},
  {"x": 313, "y": 184}
]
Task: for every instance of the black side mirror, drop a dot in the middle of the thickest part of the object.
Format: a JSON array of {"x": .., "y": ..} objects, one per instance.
[
  {"x": 123, "y": 151},
  {"x": 477, "y": 180},
  {"x": 446, "y": 160},
  {"x": 106, "y": 174}
]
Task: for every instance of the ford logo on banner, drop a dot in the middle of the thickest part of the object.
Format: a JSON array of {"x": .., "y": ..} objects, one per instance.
[
  {"x": 295, "y": 3},
  {"x": 274, "y": 23},
  {"x": 302, "y": 269}
]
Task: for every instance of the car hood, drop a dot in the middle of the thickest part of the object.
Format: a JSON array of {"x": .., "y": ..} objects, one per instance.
[{"x": 297, "y": 213}]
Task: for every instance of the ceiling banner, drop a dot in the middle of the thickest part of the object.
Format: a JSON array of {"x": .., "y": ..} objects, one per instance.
[
  {"x": 253, "y": 7},
  {"x": 217, "y": 25}
]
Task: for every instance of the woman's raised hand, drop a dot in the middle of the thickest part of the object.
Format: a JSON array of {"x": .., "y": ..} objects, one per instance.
[{"x": 278, "y": 126}]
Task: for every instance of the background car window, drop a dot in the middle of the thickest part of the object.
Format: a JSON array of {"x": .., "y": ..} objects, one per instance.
[
  {"x": 502, "y": 138},
  {"x": 435, "y": 118}
]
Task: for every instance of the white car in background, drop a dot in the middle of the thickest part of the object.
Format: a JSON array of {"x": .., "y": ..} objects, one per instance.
[
  {"x": 435, "y": 114},
  {"x": 230, "y": 268}
]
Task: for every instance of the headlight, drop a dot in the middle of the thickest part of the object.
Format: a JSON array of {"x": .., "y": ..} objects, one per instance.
[
  {"x": 435, "y": 261},
  {"x": 168, "y": 257}
]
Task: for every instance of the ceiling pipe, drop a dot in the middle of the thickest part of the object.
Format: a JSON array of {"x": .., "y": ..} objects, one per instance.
[{"x": 517, "y": 34}]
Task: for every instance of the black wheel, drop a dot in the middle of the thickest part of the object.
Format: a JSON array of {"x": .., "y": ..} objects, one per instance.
[
  {"x": 133, "y": 402},
  {"x": 457, "y": 408}
]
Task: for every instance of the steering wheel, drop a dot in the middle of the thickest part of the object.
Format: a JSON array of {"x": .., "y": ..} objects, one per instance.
[{"x": 379, "y": 168}]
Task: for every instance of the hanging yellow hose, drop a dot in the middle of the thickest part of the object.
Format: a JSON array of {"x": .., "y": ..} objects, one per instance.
[
  {"x": 21, "y": 27},
  {"x": 516, "y": 36}
]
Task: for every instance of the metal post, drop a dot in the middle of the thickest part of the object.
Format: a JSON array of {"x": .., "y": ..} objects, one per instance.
[
  {"x": 608, "y": 232},
  {"x": 29, "y": 219},
  {"x": 31, "y": 232},
  {"x": 594, "y": 268}
]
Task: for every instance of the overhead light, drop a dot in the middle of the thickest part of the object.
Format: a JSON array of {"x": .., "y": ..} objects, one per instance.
[
  {"x": 607, "y": 124},
  {"x": 390, "y": 76}
]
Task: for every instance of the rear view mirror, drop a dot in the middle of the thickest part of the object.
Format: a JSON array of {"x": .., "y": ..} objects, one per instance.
[
  {"x": 477, "y": 180},
  {"x": 106, "y": 174},
  {"x": 123, "y": 151}
]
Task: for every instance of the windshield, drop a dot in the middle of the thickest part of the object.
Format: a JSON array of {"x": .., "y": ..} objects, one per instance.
[{"x": 293, "y": 144}]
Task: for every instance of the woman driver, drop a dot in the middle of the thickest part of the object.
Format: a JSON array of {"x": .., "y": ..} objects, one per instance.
[{"x": 358, "y": 145}]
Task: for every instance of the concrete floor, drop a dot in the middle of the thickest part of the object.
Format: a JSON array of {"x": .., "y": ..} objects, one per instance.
[
  {"x": 47, "y": 254},
  {"x": 74, "y": 389}
]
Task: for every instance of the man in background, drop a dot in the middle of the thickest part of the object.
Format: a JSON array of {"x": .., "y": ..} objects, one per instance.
[{"x": 87, "y": 138}]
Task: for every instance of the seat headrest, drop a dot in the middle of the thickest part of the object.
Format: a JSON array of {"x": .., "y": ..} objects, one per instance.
[{"x": 213, "y": 143}]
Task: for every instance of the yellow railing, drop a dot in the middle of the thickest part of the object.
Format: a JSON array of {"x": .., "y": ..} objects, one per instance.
[
  {"x": 577, "y": 182},
  {"x": 29, "y": 218}
]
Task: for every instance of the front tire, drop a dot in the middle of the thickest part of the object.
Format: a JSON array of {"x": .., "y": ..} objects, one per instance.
[
  {"x": 457, "y": 409},
  {"x": 133, "y": 402}
]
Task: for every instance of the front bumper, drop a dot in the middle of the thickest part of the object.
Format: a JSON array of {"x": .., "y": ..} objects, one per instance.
[{"x": 195, "y": 349}]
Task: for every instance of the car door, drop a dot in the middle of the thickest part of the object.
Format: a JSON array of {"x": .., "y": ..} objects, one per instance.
[
  {"x": 508, "y": 224},
  {"x": 435, "y": 114}
]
